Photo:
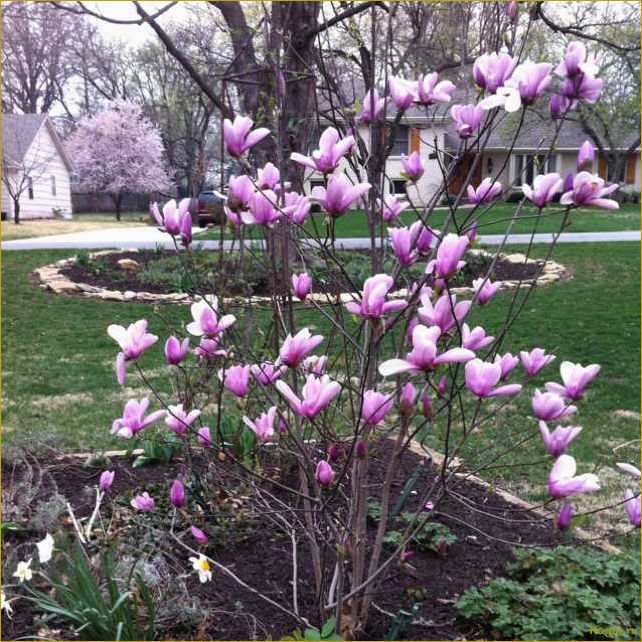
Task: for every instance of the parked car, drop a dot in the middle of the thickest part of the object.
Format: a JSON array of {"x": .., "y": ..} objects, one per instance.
[{"x": 209, "y": 207}]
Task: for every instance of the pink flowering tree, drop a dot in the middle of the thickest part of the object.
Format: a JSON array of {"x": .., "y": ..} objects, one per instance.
[
  {"x": 118, "y": 151},
  {"x": 399, "y": 355}
]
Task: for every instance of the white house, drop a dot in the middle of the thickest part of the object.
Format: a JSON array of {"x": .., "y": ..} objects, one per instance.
[{"x": 35, "y": 167}]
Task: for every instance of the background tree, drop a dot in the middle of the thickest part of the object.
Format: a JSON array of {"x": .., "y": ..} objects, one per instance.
[{"x": 118, "y": 151}]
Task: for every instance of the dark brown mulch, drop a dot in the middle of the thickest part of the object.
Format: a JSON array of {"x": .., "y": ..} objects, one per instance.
[
  {"x": 263, "y": 559},
  {"x": 229, "y": 283}
]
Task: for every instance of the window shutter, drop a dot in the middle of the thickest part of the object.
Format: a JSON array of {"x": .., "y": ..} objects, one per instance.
[
  {"x": 601, "y": 164},
  {"x": 415, "y": 141},
  {"x": 630, "y": 168}
]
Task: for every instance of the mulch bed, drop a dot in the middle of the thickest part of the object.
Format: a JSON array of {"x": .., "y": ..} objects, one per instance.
[
  {"x": 263, "y": 558},
  {"x": 229, "y": 283}
]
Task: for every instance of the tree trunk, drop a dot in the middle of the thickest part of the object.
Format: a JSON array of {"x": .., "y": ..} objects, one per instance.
[
  {"x": 16, "y": 210},
  {"x": 118, "y": 199}
]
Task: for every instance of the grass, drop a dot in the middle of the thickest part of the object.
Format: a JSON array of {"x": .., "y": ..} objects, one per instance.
[
  {"x": 494, "y": 221},
  {"x": 80, "y": 223}
]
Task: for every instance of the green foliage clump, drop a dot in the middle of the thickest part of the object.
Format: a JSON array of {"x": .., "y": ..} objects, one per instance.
[
  {"x": 326, "y": 633},
  {"x": 565, "y": 593}
]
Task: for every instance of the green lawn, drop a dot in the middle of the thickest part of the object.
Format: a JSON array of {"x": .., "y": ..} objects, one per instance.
[{"x": 493, "y": 221}]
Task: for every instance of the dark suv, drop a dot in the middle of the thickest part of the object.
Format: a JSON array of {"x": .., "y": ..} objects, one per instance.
[{"x": 209, "y": 208}]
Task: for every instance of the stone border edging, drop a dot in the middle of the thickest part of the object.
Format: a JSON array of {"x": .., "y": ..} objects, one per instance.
[{"x": 51, "y": 278}]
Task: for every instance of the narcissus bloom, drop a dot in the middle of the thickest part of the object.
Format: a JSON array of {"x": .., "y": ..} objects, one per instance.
[
  {"x": 301, "y": 285},
  {"x": 375, "y": 407},
  {"x": 175, "y": 350},
  {"x": 324, "y": 473},
  {"x": 441, "y": 313},
  {"x": 485, "y": 289},
  {"x": 562, "y": 481},
  {"x": 133, "y": 419},
  {"x": 428, "y": 91},
  {"x": 449, "y": 253},
  {"x": 263, "y": 209},
  {"x": 423, "y": 355},
  {"x": 632, "y": 506},
  {"x": 486, "y": 191},
  {"x": 413, "y": 167},
  {"x": 492, "y": 70},
  {"x": 548, "y": 406},
  {"x": 391, "y": 207},
  {"x": 263, "y": 426},
  {"x": 373, "y": 304},
  {"x": 474, "y": 339},
  {"x": 316, "y": 394},
  {"x": 401, "y": 92},
  {"x": 467, "y": 119},
  {"x": 296, "y": 348},
  {"x": 372, "y": 107},
  {"x": 339, "y": 195},
  {"x": 266, "y": 373},
  {"x": 575, "y": 377},
  {"x": 202, "y": 566},
  {"x": 177, "y": 496},
  {"x": 45, "y": 549},
  {"x": 178, "y": 420},
  {"x": 585, "y": 157},
  {"x": 143, "y": 502},
  {"x": 331, "y": 150},
  {"x": 535, "y": 360},
  {"x": 588, "y": 189},
  {"x": 106, "y": 480},
  {"x": 236, "y": 379},
  {"x": 560, "y": 439},
  {"x": 170, "y": 219},
  {"x": 5, "y": 605},
  {"x": 24, "y": 572},
  {"x": 482, "y": 377},
  {"x": 205, "y": 314},
  {"x": 545, "y": 186},
  {"x": 198, "y": 535},
  {"x": 238, "y": 137}
]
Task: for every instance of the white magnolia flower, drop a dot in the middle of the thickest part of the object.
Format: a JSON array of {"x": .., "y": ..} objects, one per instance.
[
  {"x": 45, "y": 549},
  {"x": 202, "y": 565},
  {"x": 5, "y": 605},
  {"x": 23, "y": 572}
]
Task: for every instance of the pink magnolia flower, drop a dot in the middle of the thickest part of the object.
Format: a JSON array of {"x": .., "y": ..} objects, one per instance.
[
  {"x": 413, "y": 167},
  {"x": 535, "y": 360},
  {"x": 263, "y": 209},
  {"x": 324, "y": 473},
  {"x": 232, "y": 218},
  {"x": 405, "y": 556},
  {"x": 133, "y": 340},
  {"x": 208, "y": 349},
  {"x": 391, "y": 207},
  {"x": 485, "y": 289},
  {"x": 316, "y": 394},
  {"x": 482, "y": 377},
  {"x": 301, "y": 285},
  {"x": 588, "y": 189},
  {"x": 492, "y": 70},
  {"x": 361, "y": 449},
  {"x": 296, "y": 348},
  {"x": 576, "y": 62},
  {"x": 449, "y": 253},
  {"x": 268, "y": 177},
  {"x": 407, "y": 399},
  {"x": 402, "y": 240},
  {"x": 238, "y": 137},
  {"x": 575, "y": 377},
  {"x": 474, "y": 339},
  {"x": 442, "y": 385},
  {"x": 339, "y": 195},
  {"x": 175, "y": 350},
  {"x": 143, "y": 502},
  {"x": 240, "y": 190},
  {"x": 106, "y": 480},
  {"x": 428, "y": 91},
  {"x": 199, "y": 535},
  {"x": 563, "y": 520},
  {"x": 512, "y": 11},
  {"x": 527, "y": 82},
  {"x": 331, "y": 151},
  {"x": 629, "y": 469},
  {"x": 133, "y": 419},
  {"x": 236, "y": 379},
  {"x": 315, "y": 365},
  {"x": 548, "y": 406},
  {"x": 203, "y": 437},
  {"x": 562, "y": 481},
  {"x": 178, "y": 420},
  {"x": 372, "y": 107},
  {"x": 632, "y": 507},
  {"x": 582, "y": 87},
  {"x": 471, "y": 231},
  {"x": 585, "y": 156},
  {"x": 545, "y": 186},
  {"x": 263, "y": 426},
  {"x": 441, "y": 313},
  {"x": 467, "y": 119},
  {"x": 170, "y": 219},
  {"x": 560, "y": 439},
  {"x": 375, "y": 407},
  {"x": 486, "y": 191},
  {"x": 424, "y": 237},
  {"x": 177, "y": 494},
  {"x": 296, "y": 207},
  {"x": 401, "y": 92},
  {"x": 423, "y": 355},
  {"x": 507, "y": 362},
  {"x": 266, "y": 373},
  {"x": 335, "y": 452},
  {"x": 205, "y": 314},
  {"x": 186, "y": 229},
  {"x": 557, "y": 106},
  {"x": 373, "y": 304}
]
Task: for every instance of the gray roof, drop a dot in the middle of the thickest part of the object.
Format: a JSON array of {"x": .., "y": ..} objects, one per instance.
[{"x": 18, "y": 132}]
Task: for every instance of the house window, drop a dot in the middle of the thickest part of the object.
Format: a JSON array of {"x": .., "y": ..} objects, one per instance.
[
  {"x": 30, "y": 189},
  {"x": 401, "y": 141},
  {"x": 528, "y": 166},
  {"x": 53, "y": 185},
  {"x": 399, "y": 186}
]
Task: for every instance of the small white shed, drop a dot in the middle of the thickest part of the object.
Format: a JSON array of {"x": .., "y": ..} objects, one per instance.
[{"x": 35, "y": 167}]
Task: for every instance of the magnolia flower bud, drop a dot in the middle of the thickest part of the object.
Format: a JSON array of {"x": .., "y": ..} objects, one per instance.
[
  {"x": 563, "y": 520},
  {"x": 106, "y": 480},
  {"x": 177, "y": 494}
]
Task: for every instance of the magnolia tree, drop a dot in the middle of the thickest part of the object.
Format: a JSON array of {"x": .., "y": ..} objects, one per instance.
[
  {"x": 293, "y": 416},
  {"x": 118, "y": 152}
]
